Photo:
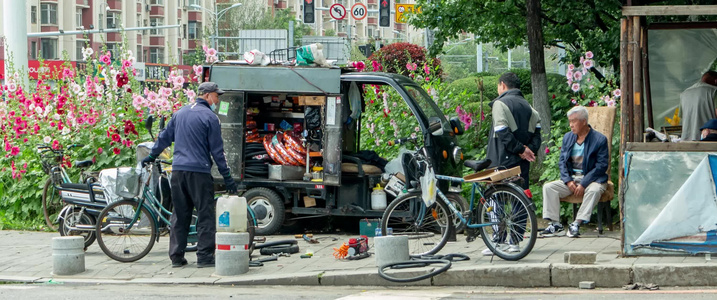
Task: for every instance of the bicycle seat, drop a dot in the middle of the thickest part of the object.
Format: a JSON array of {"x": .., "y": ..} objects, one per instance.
[
  {"x": 83, "y": 163},
  {"x": 477, "y": 165}
]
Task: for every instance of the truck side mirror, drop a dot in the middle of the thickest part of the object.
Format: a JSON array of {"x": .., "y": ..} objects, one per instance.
[
  {"x": 435, "y": 126},
  {"x": 456, "y": 126}
]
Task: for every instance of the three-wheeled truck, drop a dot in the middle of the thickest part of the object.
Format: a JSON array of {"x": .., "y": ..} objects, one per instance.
[{"x": 267, "y": 111}]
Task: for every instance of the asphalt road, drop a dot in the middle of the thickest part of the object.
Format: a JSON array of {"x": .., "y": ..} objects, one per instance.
[{"x": 150, "y": 292}]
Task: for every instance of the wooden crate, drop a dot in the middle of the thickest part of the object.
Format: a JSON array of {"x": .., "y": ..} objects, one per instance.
[
  {"x": 492, "y": 175},
  {"x": 312, "y": 100}
]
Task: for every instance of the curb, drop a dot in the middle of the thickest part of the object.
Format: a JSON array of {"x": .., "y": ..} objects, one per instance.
[{"x": 521, "y": 276}]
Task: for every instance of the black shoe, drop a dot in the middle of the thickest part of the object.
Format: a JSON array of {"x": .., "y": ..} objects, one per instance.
[
  {"x": 179, "y": 264},
  {"x": 209, "y": 264}
]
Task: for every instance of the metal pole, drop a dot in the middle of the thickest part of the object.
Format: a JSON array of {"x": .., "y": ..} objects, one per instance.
[
  {"x": 74, "y": 32},
  {"x": 15, "y": 24},
  {"x": 216, "y": 26},
  {"x": 510, "y": 59},
  {"x": 479, "y": 57},
  {"x": 291, "y": 34}
]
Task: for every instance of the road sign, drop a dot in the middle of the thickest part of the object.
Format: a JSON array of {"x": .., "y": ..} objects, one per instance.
[
  {"x": 337, "y": 11},
  {"x": 358, "y": 11},
  {"x": 403, "y": 9}
]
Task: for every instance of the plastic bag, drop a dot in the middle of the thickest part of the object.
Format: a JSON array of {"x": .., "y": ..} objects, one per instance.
[
  {"x": 395, "y": 165},
  {"x": 311, "y": 54},
  {"x": 355, "y": 101},
  {"x": 256, "y": 57},
  {"x": 428, "y": 187},
  {"x": 312, "y": 116}
]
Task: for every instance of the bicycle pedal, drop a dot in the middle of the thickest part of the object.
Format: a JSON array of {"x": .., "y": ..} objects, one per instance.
[{"x": 470, "y": 239}]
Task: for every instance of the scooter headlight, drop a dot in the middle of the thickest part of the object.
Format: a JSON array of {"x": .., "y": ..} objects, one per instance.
[{"x": 457, "y": 155}]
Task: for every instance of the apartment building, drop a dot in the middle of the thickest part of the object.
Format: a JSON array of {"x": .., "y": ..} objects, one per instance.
[{"x": 150, "y": 45}]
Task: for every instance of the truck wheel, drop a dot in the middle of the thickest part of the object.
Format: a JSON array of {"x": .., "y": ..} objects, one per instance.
[{"x": 268, "y": 209}]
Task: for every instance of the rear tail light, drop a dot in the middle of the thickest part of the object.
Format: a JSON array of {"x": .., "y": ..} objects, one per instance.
[{"x": 528, "y": 193}]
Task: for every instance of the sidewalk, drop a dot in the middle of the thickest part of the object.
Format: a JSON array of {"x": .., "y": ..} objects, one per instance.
[{"x": 27, "y": 257}]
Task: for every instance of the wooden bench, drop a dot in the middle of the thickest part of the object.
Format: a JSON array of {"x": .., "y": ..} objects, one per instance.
[{"x": 601, "y": 119}]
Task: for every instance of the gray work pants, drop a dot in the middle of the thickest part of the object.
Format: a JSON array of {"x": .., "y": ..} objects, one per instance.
[{"x": 554, "y": 190}]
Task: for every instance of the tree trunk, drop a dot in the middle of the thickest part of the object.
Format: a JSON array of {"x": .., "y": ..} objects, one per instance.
[{"x": 537, "y": 72}]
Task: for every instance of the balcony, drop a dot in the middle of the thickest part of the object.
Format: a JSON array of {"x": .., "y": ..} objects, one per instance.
[
  {"x": 372, "y": 2},
  {"x": 114, "y": 37},
  {"x": 156, "y": 11},
  {"x": 372, "y": 20},
  {"x": 194, "y": 15},
  {"x": 156, "y": 41},
  {"x": 85, "y": 3},
  {"x": 115, "y": 4}
]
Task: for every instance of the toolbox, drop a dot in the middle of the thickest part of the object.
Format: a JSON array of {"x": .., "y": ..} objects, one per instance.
[{"x": 283, "y": 173}]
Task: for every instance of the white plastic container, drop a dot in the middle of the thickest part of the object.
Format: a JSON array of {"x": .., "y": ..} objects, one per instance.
[
  {"x": 378, "y": 198},
  {"x": 231, "y": 214}
]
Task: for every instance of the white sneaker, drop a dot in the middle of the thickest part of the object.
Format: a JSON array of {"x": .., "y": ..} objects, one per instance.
[
  {"x": 513, "y": 248},
  {"x": 502, "y": 247},
  {"x": 487, "y": 252}
]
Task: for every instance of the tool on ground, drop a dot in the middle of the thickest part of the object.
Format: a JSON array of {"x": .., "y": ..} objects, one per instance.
[{"x": 355, "y": 247}]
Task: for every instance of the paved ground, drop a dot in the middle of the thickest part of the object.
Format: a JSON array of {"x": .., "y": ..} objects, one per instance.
[{"x": 26, "y": 257}]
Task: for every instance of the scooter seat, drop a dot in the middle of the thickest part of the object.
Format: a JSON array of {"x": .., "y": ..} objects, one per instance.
[
  {"x": 83, "y": 163},
  {"x": 478, "y": 165}
]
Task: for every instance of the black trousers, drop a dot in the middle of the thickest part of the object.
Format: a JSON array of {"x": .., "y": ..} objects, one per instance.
[
  {"x": 192, "y": 190},
  {"x": 524, "y": 172}
]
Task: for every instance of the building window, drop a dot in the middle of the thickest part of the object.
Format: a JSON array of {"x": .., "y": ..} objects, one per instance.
[
  {"x": 156, "y": 2},
  {"x": 139, "y": 20},
  {"x": 33, "y": 50},
  {"x": 156, "y": 55},
  {"x": 139, "y": 55},
  {"x": 184, "y": 31},
  {"x": 113, "y": 19},
  {"x": 49, "y": 14},
  {"x": 156, "y": 22},
  {"x": 33, "y": 14},
  {"x": 370, "y": 31},
  {"x": 49, "y": 48},
  {"x": 78, "y": 17},
  {"x": 195, "y": 31},
  {"x": 80, "y": 45},
  {"x": 195, "y": 2}
]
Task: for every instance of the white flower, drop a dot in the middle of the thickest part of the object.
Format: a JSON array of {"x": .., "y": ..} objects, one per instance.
[
  {"x": 76, "y": 88},
  {"x": 113, "y": 119},
  {"x": 38, "y": 110},
  {"x": 65, "y": 130},
  {"x": 56, "y": 117},
  {"x": 32, "y": 106},
  {"x": 47, "y": 140}
]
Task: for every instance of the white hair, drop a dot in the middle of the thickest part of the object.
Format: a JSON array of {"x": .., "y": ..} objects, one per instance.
[{"x": 581, "y": 111}]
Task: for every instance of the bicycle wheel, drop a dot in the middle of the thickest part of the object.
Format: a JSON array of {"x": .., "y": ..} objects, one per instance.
[
  {"x": 70, "y": 221},
  {"x": 462, "y": 206},
  {"x": 51, "y": 204},
  {"x": 427, "y": 228},
  {"x": 514, "y": 230},
  {"x": 117, "y": 239}
]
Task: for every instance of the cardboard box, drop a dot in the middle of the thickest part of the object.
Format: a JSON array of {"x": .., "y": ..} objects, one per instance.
[
  {"x": 492, "y": 175},
  {"x": 395, "y": 185},
  {"x": 279, "y": 172},
  {"x": 312, "y": 100},
  {"x": 309, "y": 202}
]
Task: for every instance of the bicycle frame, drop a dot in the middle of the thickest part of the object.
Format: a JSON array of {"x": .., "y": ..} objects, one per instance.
[{"x": 476, "y": 187}]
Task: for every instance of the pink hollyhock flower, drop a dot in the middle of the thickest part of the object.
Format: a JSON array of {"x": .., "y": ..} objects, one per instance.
[
  {"x": 588, "y": 64},
  {"x": 105, "y": 59},
  {"x": 426, "y": 69},
  {"x": 578, "y": 76},
  {"x": 152, "y": 97},
  {"x": 575, "y": 87},
  {"x": 116, "y": 150},
  {"x": 67, "y": 73},
  {"x": 589, "y": 55},
  {"x": 569, "y": 75},
  {"x": 592, "y": 103},
  {"x": 190, "y": 94},
  {"x": 212, "y": 52},
  {"x": 178, "y": 82},
  {"x": 547, "y": 150},
  {"x": 571, "y": 67},
  {"x": 204, "y": 47},
  {"x": 574, "y": 101},
  {"x": 55, "y": 145},
  {"x": 610, "y": 102},
  {"x": 100, "y": 150},
  {"x": 15, "y": 150},
  {"x": 617, "y": 93},
  {"x": 116, "y": 137},
  {"x": 376, "y": 66},
  {"x": 197, "y": 70}
]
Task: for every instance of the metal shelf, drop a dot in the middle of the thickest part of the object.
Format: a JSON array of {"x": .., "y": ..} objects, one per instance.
[{"x": 293, "y": 115}]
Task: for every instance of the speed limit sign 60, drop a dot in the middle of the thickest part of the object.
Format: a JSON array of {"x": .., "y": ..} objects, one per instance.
[{"x": 358, "y": 11}]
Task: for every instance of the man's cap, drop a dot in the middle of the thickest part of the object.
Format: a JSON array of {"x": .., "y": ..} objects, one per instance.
[
  {"x": 711, "y": 124},
  {"x": 208, "y": 87}
]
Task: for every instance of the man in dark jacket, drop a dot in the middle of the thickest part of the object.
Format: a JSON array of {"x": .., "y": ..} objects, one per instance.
[
  {"x": 514, "y": 137},
  {"x": 583, "y": 165},
  {"x": 512, "y": 141},
  {"x": 196, "y": 133},
  {"x": 709, "y": 131}
]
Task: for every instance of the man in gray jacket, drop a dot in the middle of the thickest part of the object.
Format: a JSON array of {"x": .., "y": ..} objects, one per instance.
[
  {"x": 514, "y": 137},
  {"x": 698, "y": 106}
]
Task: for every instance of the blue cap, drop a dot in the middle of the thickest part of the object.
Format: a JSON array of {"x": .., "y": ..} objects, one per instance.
[{"x": 711, "y": 124}]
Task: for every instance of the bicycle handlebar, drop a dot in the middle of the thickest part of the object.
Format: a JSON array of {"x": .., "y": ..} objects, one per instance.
[{"x": 402, "y": 141}]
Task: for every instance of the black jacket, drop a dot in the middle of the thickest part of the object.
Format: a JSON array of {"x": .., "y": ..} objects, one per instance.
[
  {"x": 515, "y": 124},
  {"x": 712, "y": 137},
  {"x": 595, "y": 158},
  {"x": 196, "y": 133}
]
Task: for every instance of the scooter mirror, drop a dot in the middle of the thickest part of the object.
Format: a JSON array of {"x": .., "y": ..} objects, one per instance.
[
  {"x": 456, "y": 126},
  {"x": 149, "y": 122},
  {"x": 435, "y": 126},
  {"x": 161, "y": 123}
]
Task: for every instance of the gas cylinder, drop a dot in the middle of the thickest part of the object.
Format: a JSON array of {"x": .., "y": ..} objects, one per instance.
[
  {"x": 378, "y": 198},
  {"x": 231, "y": 214}
]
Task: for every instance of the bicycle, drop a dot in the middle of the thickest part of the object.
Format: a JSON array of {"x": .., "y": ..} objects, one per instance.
[
  {"x": 59, "y": 183},
  {"x": 127, "y": 229},
  {"x": 504, "y": 214}
]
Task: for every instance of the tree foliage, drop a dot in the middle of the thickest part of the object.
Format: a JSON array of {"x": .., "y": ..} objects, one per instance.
[{"x": 575, "y": 25}]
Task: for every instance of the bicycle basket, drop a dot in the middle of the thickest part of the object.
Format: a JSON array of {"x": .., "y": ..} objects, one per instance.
[
  {"x": 50, "y": 161},
  {"x": 129, "y": 182}
]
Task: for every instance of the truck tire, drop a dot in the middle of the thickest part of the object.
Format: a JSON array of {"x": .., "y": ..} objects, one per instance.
[{"x": 268, "y": 208}]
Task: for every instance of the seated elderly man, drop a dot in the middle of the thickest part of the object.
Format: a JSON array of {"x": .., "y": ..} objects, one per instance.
[{"x": 583, "y": 166}]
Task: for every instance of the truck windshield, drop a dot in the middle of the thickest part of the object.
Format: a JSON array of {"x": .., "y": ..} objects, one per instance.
[{"x": 428, "y": 107}]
